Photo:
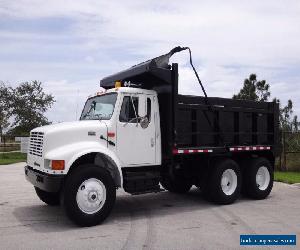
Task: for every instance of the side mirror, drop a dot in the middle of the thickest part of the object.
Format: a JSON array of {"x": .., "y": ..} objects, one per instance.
[
  {"x": 144, "y": 122},
  {"x": 142, "y": 112}
]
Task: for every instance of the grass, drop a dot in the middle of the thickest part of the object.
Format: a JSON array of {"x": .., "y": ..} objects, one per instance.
[
  {"x": 9, "y": 148},
  {"x": 9, "y": 158},
  {"x": 287, "y": 177}
]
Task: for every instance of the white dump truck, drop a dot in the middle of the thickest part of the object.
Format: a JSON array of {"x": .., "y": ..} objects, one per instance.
[{"x": 141, "y": 135}]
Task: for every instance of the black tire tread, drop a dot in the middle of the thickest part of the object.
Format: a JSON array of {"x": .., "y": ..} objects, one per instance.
[
  {"x": 72, "y": 183},
  {"x": 250, "y": 188},
  {"x": 212, "y": 190}
]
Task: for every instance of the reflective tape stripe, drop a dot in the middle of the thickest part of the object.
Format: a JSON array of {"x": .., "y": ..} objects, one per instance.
[
  {"x": 250, "y": 148},
  {"x": 233, "y": 149},
  {"x": 191, "y": 151}
]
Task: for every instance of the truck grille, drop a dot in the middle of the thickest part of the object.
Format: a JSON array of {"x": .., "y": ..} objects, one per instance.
[{"x": 36, "y": 143}]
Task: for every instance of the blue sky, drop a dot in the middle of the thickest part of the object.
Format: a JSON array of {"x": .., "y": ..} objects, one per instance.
[{"x": 71, "y": 45}]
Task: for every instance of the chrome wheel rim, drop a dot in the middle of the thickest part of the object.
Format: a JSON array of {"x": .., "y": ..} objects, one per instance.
[
  {"x": 262, "y": 178},
  {"x": 229, "y": 181},
  {"x": 91, "y": 196}
]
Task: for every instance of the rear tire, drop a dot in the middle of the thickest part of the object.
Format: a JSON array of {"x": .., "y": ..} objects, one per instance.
[
  {"x": 259, "y": 177},
  {"x": 52, "y": 199},
  {"x": 89, "y": 195},
  {"x": 224, "y": 182}
]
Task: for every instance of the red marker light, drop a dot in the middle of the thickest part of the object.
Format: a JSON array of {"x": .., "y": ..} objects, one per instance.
[{"x": 111, "y": 134}]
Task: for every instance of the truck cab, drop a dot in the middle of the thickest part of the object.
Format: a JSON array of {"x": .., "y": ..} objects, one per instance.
[
  {"x": 139, "y": 134},
  {"x": 131, "y": 118},
  {"x": 120, "y": 121}
]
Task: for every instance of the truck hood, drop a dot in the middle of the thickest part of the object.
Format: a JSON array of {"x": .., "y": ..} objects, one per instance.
[
  {"x": 66, "y": 126},
  {"x": 67, "y": 133}
]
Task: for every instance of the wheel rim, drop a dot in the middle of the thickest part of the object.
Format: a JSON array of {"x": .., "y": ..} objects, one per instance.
[
  {"x": 262, "y": 178},
  {"x": 229, "y": 181},
  {"x": 91, "y": 196}
]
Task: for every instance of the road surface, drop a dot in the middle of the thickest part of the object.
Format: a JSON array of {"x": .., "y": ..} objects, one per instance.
[{"x": 151, "y": 221}]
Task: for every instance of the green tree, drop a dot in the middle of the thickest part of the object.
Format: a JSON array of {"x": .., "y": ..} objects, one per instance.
[
  {"x": 254, "y": 90},
  {"x": 5, "y": 107},
  {"x": 260, "y": 91},
  {"x": 288, "y": 121},
  {"x": 30, "y": 103},
  {"x": 295, "y": 124}
]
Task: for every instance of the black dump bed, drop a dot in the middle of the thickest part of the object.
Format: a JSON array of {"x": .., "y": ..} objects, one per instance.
[
  {"x": 219, "y": 122},
  {"x": 189, "y": 122}
]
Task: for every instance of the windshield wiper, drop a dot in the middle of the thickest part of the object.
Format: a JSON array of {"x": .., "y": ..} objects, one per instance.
[{"x": 93, "y": 106}]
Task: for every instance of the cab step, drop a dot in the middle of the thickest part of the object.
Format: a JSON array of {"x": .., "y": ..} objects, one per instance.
[{"x": 141, "y": 181}]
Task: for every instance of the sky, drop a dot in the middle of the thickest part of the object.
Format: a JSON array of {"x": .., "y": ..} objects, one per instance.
[{"x": 71, "y": 45}]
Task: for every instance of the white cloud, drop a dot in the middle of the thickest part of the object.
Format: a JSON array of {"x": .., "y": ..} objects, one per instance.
[
  {"x": 89, "y": 59},
  {"x": 229, "y": 40}
]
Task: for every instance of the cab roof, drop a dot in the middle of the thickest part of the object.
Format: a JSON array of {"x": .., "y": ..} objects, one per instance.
[{"x": 130, "y": 90}]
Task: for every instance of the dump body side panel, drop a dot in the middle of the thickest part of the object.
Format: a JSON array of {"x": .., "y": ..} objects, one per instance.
[{"x": 221, "y": 122}]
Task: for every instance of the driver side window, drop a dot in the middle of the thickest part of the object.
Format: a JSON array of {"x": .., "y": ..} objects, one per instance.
[{"x": 128, "y": 110}]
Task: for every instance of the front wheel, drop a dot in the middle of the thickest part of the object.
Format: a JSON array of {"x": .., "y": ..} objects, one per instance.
[
  {"x": 89, "y": 195},
  {"x": 258, "y": 178}
]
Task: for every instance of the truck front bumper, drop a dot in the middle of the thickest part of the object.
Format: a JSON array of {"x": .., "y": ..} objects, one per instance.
[{"x": 46, "y": 182}]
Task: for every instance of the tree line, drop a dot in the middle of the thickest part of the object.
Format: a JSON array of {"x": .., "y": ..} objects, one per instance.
[
  {"x": 260, "y": 91},
  {"x": 23, "y": 108}
]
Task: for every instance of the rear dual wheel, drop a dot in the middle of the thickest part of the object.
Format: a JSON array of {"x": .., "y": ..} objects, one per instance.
[
  {"x": 224, "y": 183},
  {"x": 258, "y": 178},
  {"x": 225, "y": 180}
]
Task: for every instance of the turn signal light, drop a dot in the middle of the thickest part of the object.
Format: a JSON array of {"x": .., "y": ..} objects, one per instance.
[{"x": 58, "y": 164}]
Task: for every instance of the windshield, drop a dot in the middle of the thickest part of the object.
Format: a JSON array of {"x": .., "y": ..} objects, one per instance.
[{"x": 99, "y": 107}]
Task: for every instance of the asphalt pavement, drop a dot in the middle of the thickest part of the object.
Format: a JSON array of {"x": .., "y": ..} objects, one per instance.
[{"x": 150, "y": 221}]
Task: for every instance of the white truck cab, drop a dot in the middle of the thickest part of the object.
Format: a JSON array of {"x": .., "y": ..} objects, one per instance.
[
  {"x": 140, "y": 134},
  {"x": 117, "y": 123}
]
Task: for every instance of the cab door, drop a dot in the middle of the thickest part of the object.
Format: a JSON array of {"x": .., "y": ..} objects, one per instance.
[{"x": 136, "y": 145}]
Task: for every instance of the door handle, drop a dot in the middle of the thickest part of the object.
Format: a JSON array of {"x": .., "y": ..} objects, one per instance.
[{"x": 152, "y": 142}]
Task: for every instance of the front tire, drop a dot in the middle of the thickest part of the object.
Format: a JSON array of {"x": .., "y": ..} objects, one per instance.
[
  {"x": 52, "y": 199},
  {"x": 259, "y": 177},
  {"x": 89, "y": 195},
  {"x": 224, "y": 183}
]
